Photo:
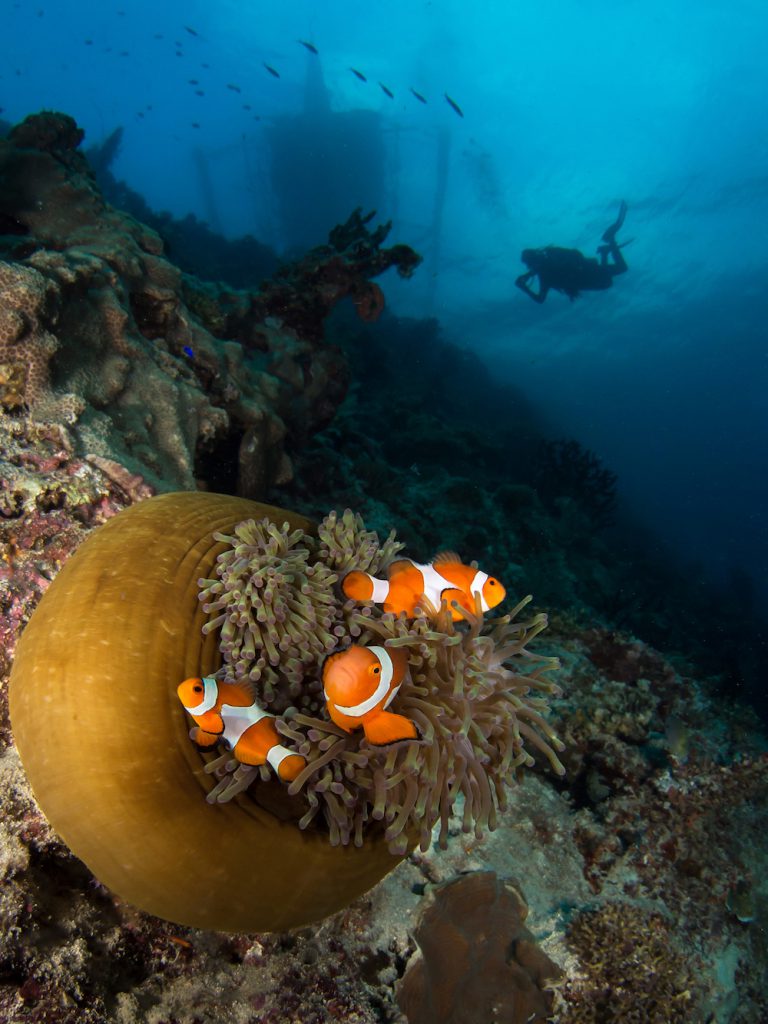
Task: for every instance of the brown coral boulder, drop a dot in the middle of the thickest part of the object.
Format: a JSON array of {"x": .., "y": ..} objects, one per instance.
[{"x": 478, "y": 961}]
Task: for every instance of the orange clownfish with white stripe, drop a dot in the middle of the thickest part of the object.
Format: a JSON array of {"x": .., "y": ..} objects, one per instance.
[
  {"x": 410, "y": 585},
  {"x": 226, "y": 711},
  {"x": 360, "y": 684}
]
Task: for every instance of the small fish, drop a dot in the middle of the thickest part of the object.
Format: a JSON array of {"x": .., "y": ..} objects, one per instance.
[
  {"x": 158, "y": 35},
  {"x": 192, "y": 81},
  {"x": 271, "y": 70},
  {"x": 89, "y": 42},
  {"x": 247, "y": 106},
  {"x": 418, "y": 95},
  {"x": 195, "y": 124},
  {"x": 386, "y": 91},
  {"x": 359, "y": 74},
  {"x": 191, "y": 31},
  {"x": 741, "y": 902},
  {"x": 124, "y": 53},
  {"x": 309, "y": 46},
  {"x": 205, "y": 65},
  {"x": 454, "y": 104},
  {"x": 228, "y": 712},
  {"x": 188, "y": 351},
  {"x": 179, "y": 53},
  {"x": 199, "y": 92},
  {"x": 360, "y": 684},
  {"x": 234, "y": 88},
  {"x": 140, "y": 114},
  {"x": 410, "y": 585}
]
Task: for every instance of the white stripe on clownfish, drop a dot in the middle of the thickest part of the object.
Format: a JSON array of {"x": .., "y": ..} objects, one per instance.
[
  {"x": 380, "y": 590},
  {"x": 435, "y": 584},
  {"x": 277, "y": 755},
  {"x": 210, "y": 696},
  {"x": 387, "y": 671},
  {"x": 237, "y": 719},
  {"x": 476, "y": 587}
]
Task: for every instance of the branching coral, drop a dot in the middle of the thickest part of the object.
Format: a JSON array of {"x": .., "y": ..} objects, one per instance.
[
  {"x": 303, "y": 293},
  {"x": 631, "y": 970},
  {"x": 477, "y": 695},
  {"x": 567, "y": 470}
]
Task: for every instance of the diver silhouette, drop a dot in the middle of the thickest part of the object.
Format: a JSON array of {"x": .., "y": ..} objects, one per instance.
[{"x": 569, "y": 271}]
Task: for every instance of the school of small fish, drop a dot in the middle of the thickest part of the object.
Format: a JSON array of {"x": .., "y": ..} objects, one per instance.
[{"x": 196, "y": 38}]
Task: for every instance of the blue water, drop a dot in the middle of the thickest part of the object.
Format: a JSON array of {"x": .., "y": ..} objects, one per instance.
[{"x": 569, "y": 106}]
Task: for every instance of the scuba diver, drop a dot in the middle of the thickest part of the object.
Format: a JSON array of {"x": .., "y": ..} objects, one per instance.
[{"x": 569, "y": 271}]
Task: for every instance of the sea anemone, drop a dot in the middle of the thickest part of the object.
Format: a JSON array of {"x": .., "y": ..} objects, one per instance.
[
  {"x": 122, "y": 624},
  {"x": 476, "y": 694},
  {"x": 475, "y": 709},
  {"x": 274, "y": 605}
]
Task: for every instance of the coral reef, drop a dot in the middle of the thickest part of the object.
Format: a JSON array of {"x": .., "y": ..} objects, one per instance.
[
  {"x": 659, "y": 819},
  {"x": 303, "y": 294},
  {"x": 99, "y": 332},
  {"x": 643, "y": 865}
]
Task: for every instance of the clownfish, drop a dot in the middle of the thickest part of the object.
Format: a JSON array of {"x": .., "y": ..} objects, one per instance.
[
  {"x": 445, "y": 578},
  {"x": 247, "y": 729},
  {"x": 359, "y": 685}
]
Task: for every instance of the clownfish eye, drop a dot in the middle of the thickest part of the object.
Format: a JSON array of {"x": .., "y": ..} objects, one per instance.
[
  {"x": 197, "y": 689},
  {"x": 492, "y": 582},
  {"x": 376, "y": 669}
]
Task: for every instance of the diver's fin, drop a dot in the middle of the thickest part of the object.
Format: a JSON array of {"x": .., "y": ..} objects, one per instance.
[
  {"x": 609, "y": 234},
  {"x": 387, "y": 727}
]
